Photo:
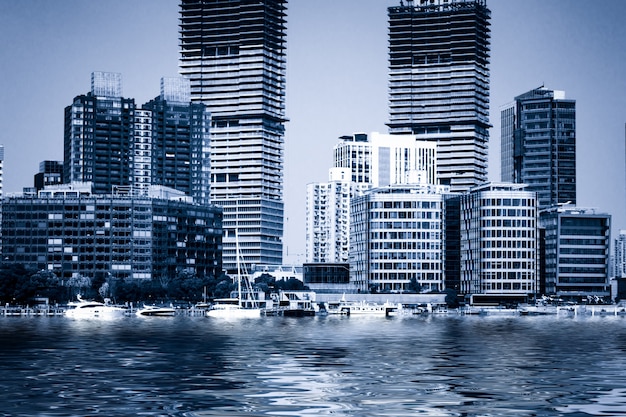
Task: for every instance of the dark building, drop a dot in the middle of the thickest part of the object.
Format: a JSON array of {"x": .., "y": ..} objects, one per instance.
[
  {"x": 452, "y": 242},
  {"x": 576, "y": 246},
  {"x": 233, "y": 53},
  {"x": 74, "y": 234},
  {"x": 98, "y": 135},
  {"x": 439, "y": 83},
  {"x": 180, "y": 140},
  {"x": 538, "y": 145},
  {"x": 50, "y": 173}
]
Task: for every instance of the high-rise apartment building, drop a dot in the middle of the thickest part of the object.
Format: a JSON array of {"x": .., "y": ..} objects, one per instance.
[
  {"x": 180, "y": 148},
  {"x": 538, "y": 145},
  {"x": 98, "y": 136},
  {"x": 233, "y": 53},
  {"x": 439, "y": 83},
  {"x": 328, "y": 217}
]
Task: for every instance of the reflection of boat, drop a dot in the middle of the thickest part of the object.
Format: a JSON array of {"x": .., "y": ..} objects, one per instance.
[
  {"x": 161, "y": 311},
  {"x": 93, "y": 309},
  {"x": 236, "y": 307}
]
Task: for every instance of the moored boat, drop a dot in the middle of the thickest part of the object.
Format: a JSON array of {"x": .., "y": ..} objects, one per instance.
[
  {"x": 93, "y": 309},
  {"x": 156, "y": 311}
]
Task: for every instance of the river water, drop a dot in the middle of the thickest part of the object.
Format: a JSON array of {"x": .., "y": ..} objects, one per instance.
[{"x": 438, "y": 365}]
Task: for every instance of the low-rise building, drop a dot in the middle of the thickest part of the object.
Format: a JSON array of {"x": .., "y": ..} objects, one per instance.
[
  {"x": 73, "y": 233},
  {"x": 499, "y": 241},
  {"x": 396, "y": 239},
  {"x": 577, "y": 252}
]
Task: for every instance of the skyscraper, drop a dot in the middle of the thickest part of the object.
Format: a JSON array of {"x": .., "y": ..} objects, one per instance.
[
  {"x": 439, "y": 83},
  {"x": 538, "y": 135},
  {"x": 98, "y": 135},
  {"x": 181, "y": 145},
  {"x": 233, "y": 53}
]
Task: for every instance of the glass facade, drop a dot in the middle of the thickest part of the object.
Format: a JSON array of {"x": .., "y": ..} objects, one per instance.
[
  {"x": 130, "y": 238},
  {"x": 538, "y": 136},
  {"x": 577, "y": 252}
]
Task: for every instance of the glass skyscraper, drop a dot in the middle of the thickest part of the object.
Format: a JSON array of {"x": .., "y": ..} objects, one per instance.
[
  {"x": 538, "y": 136},
  {"x": 439, "y": 83},
  {"x": 233, "y": 53}
]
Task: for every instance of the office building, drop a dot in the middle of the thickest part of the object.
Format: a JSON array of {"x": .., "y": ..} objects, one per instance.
[
  {"x": 396, "y": 239},
  {"x": 233, "y": 53},
  {"x": 577, "y": 242},
  {"x": 180, "y": 146},
  {"x": 499, "y": 242},
  {"x": 99, "y": 131},
  {"x": 72, "y": 233},
  {"x": 538, "y": 145},
  {"x": 439, "y": 83}
]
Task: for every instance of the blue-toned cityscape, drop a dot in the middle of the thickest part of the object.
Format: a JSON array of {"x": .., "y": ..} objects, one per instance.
[{"x": 172, "y": 198}]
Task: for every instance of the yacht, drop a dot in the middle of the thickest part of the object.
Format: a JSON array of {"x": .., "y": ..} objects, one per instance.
[
  {"x": 93, "y": 309},
  {"x": 160, "y": 311}
]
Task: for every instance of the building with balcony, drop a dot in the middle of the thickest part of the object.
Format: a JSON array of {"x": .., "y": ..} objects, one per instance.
[
  {"x": 180, "y": 141},
  {"x": 98, "y": 135},
  {"x": 233, "y": 53},
  {"x": 439, "y": 83}
]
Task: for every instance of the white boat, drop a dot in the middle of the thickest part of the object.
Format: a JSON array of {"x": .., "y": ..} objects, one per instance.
[
  {"x": 231, "y": 308},
  {"x": 93, "y": 309},
  {"x": 236, "y": 308},
  {"x": 364, "y": 308},
  {"x": 360, "y": 308},
  {"x": 156, "y": 311}
]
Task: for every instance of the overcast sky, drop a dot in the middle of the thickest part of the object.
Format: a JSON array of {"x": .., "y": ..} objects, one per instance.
[{"x": 336, "y": 80}]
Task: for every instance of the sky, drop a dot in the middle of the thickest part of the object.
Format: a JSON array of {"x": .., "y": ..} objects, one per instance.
[{"x": 336, "y": 80}]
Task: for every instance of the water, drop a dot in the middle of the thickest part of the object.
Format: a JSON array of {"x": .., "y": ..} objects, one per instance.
[{"x": 339, "y": 366}]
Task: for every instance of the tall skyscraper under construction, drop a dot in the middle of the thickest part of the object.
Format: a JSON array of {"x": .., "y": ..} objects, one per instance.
[
  {"x": 233, "y": 53},
  {"x": 439, "y": 83}
]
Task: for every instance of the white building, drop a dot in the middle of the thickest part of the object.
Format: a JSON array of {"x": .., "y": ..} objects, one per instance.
[
  {"x": 499, "y": 240},
  {"x": 619, "y": 270},
  {"x": 361, "y": 161},
  {"x": 328, "y": 217},
  {"x": 396, "y": 239}
]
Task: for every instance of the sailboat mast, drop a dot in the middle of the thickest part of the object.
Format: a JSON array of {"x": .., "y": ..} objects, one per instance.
[{"x": 238, "y": 266}]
